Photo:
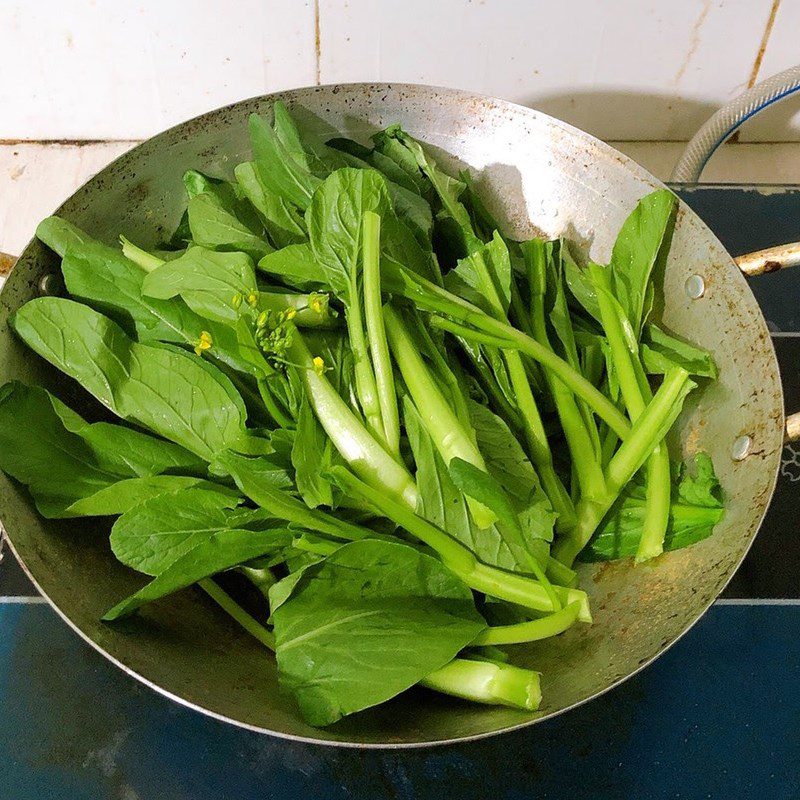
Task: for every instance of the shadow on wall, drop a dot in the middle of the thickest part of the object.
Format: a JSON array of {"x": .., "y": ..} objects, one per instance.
[{"x": 621, "y": 116}]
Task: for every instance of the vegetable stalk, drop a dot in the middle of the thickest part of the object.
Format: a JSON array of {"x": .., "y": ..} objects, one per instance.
[
  {"x": 646, "y": 433},
  {"x": 531, "y": 631},
  {"x": 467, "y": 319},
  {"x": 535, "y": 437},
  {"x": 636, "y": 393},
  {"x": 490, "y": 682},
  {"x": 437, "y": 415},
  {"x": 384, "y": 377},
  {"x": 355, "y": 444},
  {"x": 508, "y": 586}
]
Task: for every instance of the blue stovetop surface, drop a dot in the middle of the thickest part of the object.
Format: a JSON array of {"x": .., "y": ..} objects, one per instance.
[{"x": 716, "y": 716}]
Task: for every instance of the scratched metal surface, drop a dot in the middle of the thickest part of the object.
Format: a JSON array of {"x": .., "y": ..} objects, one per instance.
[{"x": 717, "y": 716}]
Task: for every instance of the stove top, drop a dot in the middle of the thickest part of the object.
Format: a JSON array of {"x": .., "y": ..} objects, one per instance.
[{"x": 716, "y": 716}]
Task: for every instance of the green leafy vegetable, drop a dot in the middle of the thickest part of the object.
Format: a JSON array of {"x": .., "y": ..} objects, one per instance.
[
  {"x": 536, "y": 393},
  {"x": 222, "y": 550},
  {"x": 75, "y": 469},
  {"x": 165, "y": 390},
  {"x": 367, "y": 623}
]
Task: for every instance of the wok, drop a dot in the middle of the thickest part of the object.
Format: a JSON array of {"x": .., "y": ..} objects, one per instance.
[{"x": 540, "y": 176}]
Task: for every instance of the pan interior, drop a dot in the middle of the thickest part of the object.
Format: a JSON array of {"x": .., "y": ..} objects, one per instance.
[{"x": 539, "y": 176}]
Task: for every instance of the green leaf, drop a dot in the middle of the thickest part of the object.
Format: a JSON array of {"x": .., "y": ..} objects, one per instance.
[
  {"x": 498, "y": 264},
  {"x": 176, "y": 395},
  {"x": 381, "y": 162},
  {"x": 278, "y": 169},
  {"x": 661, "y": 350},
  {"x": 393, "y": 150},
  {"x": 150, "y": 536},
  {"x": 126, "y": 494},
  {"x": 367, "y": 623},
  {"x": 60, "y": 235},
  {"x": 481, "y": 486},
  {"x": 507, "y": 463},
  {"x": 222, "y": 550},
  {"x": 295, "y": 266},
  {"x": 399, "y": 249},
  {"x": 256, "y": 479},
  {"x": 697, "y": 507},
  {"x": 75, "y": 469},
  {"x": 105, "y": 279},
  {"x": 311, "y": 458},
  {"x": 334, "y": 222},
  {"x": 701, "y": 488},
  {"x": 445, "y": 505},
  {"x": 579, "y": 283},
  {"x": 289, "y": 135},
  {"x": 447, "y": 188},
  {"x": 215, "y": 226},
  {"x": 283, "y": 220},
  {"x": 645, "y": 235},
  {"x": 209, "y": 282}
]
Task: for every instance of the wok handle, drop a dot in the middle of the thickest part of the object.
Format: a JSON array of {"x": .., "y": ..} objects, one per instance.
[
  {"x": 769, "y": 260},
  {"x": 791, "y": 432},
  {"x": 762, "y": 262}
]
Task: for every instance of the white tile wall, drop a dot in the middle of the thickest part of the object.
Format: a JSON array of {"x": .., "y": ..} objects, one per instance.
[
  {"x": 623, "y": 69},
  {"x": 783, "y": 51},
  {"x": 115, "y": 69}
]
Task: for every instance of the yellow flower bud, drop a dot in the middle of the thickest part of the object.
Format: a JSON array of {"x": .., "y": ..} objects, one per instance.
[
  {"x": 262, "y": 319},
  {"x": 236, "y": 300},
  {"x": 319, "y": 365},
  {"x": 252, "y": 299},
  {"x": 291, "y": 313},
  {"x": 204, "y": 343}
]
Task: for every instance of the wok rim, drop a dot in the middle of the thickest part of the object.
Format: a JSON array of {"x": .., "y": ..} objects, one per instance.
[{"x": 537, "y": 717}]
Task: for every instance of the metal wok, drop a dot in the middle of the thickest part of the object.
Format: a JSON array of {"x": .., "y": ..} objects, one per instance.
[{"x": 540, "y": 176}]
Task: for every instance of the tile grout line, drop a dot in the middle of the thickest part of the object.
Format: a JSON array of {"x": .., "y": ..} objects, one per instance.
[
  {"x": 26, "y": 600},
  {"x": 317, "y": 44}
]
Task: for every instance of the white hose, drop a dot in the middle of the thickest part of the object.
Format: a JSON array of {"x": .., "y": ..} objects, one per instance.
[{"x": 728, "y": 119}]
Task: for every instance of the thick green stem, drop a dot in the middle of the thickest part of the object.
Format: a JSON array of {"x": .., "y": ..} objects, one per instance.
[
  {"x": 357, "y": 446},
  {"x": 657, "y": 505},
  {"x": 636, "y": 393},
  {"x": 438, "y": 418},
  {"x": 508, "y": 586},
  {"x": 433, "y": 298},
  {"x": 587, "y": 468},
  {"x": 532, "y": 631},
  {"x": 490, "y": 682},
  {"x": 384, "y": 376},
  {"x": 147, "y": 261},
  {"x": 366, "y": 388},
  {"x": 311, "y": 310},
  {"x": 230, "y": 606},
  {"x": 646, "y": 434},
  {"x": 535, "y": 437},
  {"x": 445, "y": 373}
]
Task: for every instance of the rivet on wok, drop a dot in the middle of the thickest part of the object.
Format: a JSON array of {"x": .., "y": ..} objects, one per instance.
[
  {"x": 695, "y": 287},
  {"x": 741, "y": 448},
  {"x": 49, "y": 284}
]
